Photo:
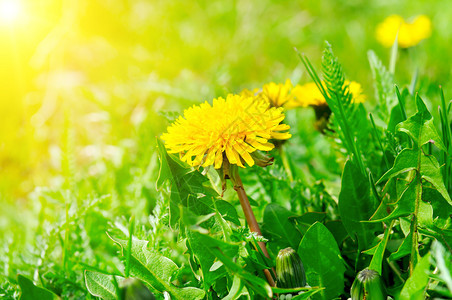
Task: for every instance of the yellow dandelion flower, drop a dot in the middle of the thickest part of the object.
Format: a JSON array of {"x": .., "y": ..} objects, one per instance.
[
  {"x": 356, "y": 90},
  {"x": 234, "y": 128},
  {"x": 309, "y": 95},
  {"x": 277, "y": 94},
  {"x": 248, "y": 93},
  {"x": 422, "y": 26},
  {"x": 408, "y": 33}
]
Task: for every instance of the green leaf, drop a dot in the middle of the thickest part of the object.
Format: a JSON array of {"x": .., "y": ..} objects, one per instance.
[
  {"x": 403, "y": 250},
  {"x": 156, "y": 270},
  {"x": 225, "y": 252},
  {"x": 348, "y": 116},
  {"x": 101, "y": 285},
  {"x": 425, "y": 214},
  {"x": 383, "y": 81},
  {"x": 187, "y": 187},
  {"x": 441, "y": 209},
  {"x": 206, "y": 259},
  {"x": 431, "y": 172},
  {"x": 237, "y": 289},
  {"x": 420, "y": 127},
  {"x": 322, "y": 261},
  {"x": 407, "y": 160},
  {"x": 395, "y": 118},
  {"x": 356, "y": 205},
  {"x": 228, "y": 211},
  {"x": 304, "y": 221},
  {"x": 33, "y": 292},
  {"x": 276, "y": 222},
  {"x": 406, "y": 203},
  {"x": 428, "y": 168},
  {"x": 415, "y": 286},
  {"x": 377, "y": 259},
  {"x": 338, "y": 230}
]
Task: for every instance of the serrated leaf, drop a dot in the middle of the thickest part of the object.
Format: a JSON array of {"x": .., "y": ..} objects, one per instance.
[
  {"x": 426, "y": 165},
  {"x": 281, "y": 230},
  {"x": 29, "y": 291},
  {"x": 406, "y": 203},
  {"x": 100, "y": 285},
  {"x": 404, "y": 162},
  {"x": 356, "y": 205},
  {"x": 187, "y": 187},
  {"x": 322, "y": 261},
  {"x": 156, "y": 270},
  {"x": 403, "y": 250},
  {"x": 420, "y": 127}
]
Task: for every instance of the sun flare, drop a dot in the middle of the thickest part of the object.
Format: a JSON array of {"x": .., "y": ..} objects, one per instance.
[{"x": 10, "y": 10}]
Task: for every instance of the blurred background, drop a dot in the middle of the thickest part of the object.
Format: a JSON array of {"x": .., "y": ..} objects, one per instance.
[{"x": 85, "y": 84}]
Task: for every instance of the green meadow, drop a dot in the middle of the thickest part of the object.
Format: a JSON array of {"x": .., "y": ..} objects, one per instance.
[{"x": 96, "y": 202}]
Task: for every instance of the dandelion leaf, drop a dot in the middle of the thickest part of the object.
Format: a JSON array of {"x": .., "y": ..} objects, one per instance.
[
  {"x": 322, "y": 262},
  {"x": 156, "y": 270},
  {"x": 32, "y": 292},
  {"x": 356, "y": 205},
  {"x": 101, "y": 285}
]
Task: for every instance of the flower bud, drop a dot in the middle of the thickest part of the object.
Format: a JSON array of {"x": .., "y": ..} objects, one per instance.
[
  {"x": 369, "y": 286},
  {"x": 289, "y": 269}
]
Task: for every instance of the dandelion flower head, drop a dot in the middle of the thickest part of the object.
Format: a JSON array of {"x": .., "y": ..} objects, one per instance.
[
  {"x": 309, "y": 94},
  {"x": 408, "y": 34},
  {"x": 277, "y": 94},
  {"x": 233, "y": 128}
]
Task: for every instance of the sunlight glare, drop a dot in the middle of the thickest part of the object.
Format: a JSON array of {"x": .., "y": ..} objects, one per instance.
[{"x": 9, "y": 10}]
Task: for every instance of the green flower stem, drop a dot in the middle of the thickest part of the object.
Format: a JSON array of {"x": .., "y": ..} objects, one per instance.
[{"x": 251, "y": 219}]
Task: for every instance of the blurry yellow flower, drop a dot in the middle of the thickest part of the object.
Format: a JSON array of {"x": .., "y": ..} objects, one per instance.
[
  {"x": 233, "y": 128},
  {"x": 277, "y": 94},
  {"x": 408, "y": 33},
  {"x": 309, "y": 95},
  {"x": 248, "y": 93},
  {"x": 356, "y": 90}
]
